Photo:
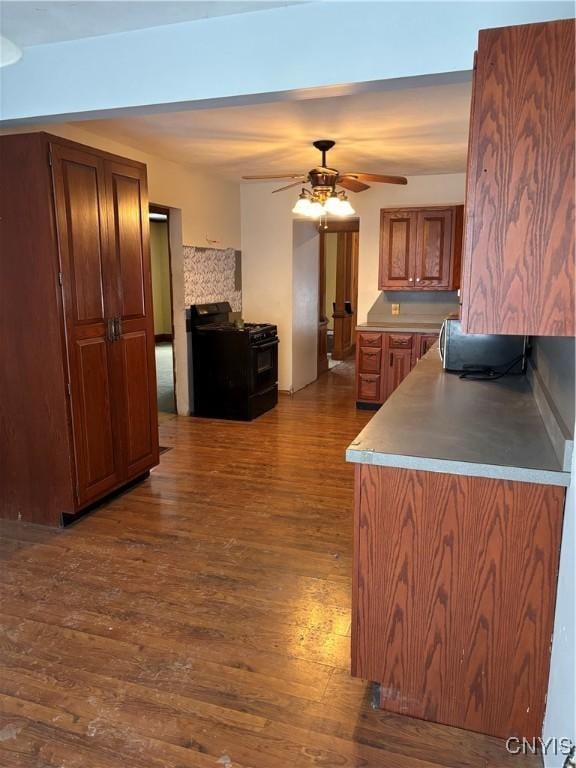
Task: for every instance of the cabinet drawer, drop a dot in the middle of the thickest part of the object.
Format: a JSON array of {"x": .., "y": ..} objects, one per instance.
[
  {"x": 399, "y": 341},
  {"x": 369, "y": 387},
  {"x": 370, "y": 339},
  {"x": 369, "y": 360}
]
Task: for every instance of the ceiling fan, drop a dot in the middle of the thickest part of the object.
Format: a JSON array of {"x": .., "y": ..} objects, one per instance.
[{"x": 326, "y": 179}]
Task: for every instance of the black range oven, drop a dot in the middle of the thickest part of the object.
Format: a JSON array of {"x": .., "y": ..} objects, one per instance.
[{"x": 234, "y": 369}]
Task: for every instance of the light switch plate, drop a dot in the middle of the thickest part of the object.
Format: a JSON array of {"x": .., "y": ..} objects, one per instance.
[{"x": 395, "y": 309}]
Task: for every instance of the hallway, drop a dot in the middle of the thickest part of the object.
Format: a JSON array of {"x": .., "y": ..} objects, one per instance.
[{"x": 203, "y": 618}]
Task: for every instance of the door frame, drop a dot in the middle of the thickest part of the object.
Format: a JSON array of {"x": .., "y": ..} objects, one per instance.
[
  {"x": 164, "y": 210},
  {"x": 327, "y": 227}
]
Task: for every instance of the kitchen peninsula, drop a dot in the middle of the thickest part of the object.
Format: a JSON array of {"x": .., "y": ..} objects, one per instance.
[{"x": 458, "y": 517}]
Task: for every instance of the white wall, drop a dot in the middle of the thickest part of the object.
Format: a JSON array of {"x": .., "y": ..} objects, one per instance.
[
  {"x": 267, "y": 266},
  {"x": 421, "y": 190},
  {"x": 305, "y": 266},
  {"x": 254, "y": 53}
]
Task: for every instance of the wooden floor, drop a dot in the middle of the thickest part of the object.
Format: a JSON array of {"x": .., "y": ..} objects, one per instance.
[{"x": 203, "y": 618}]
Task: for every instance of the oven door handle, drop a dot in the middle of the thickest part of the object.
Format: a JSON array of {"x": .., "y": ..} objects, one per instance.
[{"x": 266, "y": 344}]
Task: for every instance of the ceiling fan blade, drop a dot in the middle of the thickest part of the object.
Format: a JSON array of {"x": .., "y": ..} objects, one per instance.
[
  {"x": 288, "y": 186},
  {"x": 378, "y": 177},
  {"x": 276, "y": 176},
  {"x": 352, "y": 184}
]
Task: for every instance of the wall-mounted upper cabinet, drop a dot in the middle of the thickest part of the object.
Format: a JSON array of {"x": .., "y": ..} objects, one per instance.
[
  {"x": 519, "y": 231},
  {"x": 420, "y": 249}
]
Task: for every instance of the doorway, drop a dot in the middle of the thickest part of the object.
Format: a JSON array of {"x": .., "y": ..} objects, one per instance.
[
  {"x": 338, "y": 292},
  {"x": 161, "y": 269}
]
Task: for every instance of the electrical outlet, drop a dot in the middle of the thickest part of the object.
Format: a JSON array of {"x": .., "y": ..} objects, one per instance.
[{"x": 395, "y": 309}]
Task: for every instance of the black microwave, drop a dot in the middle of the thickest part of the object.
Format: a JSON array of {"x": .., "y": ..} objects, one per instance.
[{"x": 475, "y": 352}]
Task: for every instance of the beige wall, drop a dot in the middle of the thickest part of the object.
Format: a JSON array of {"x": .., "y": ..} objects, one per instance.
[
  {"x": 210, "y": 206},
  {"x": 160, "y": 265}
]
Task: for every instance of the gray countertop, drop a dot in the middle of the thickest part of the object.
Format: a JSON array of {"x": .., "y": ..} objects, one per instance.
[
  {"x": 407, "y": 326},
  {"x": 438, "y": 422}
]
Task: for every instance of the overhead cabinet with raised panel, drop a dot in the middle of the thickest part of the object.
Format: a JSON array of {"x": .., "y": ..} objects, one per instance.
[
  {"x": 420, "y": 249},
  {"x": 518, "y": 267},
  {"x": 75, "y": 291}
]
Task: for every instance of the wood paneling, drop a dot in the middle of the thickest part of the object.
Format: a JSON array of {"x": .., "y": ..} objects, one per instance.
[
  {"x": 519, "y": 242},
  {"x": 455, "y": 604},
  {"x": 207, "y": 612}
]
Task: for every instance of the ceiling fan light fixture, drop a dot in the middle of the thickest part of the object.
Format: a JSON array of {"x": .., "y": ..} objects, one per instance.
[
  {"x": 316, "y": 210},
  {"x": 345, "y": 207},
  {"x": 302, "y": 206},
  {"x": 338, "y": 205}
]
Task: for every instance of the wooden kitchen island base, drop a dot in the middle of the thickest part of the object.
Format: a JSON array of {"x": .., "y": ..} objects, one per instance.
[{"x": 453, "y": 598}]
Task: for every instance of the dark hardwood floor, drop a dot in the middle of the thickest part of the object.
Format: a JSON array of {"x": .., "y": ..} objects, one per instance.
[{"x": 203, "y": 618}]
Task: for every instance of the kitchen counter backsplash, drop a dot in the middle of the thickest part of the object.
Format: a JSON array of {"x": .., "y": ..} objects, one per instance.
[
  {"x": 415, "y": 307},
  {"x": 212, "y": 274}
]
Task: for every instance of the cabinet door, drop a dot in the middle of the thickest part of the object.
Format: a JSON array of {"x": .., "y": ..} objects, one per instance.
[
  {"x": 422, "y": 344},
  {"x": 519, "y": 239},
  {"x": 135, "y": 380},
  {"x": 87, "y": 275},
  {"x": 397, "y": 249},
  {"x": 453, "y": 601},
  {"x": 397, "y": 366},
  {"x": 434, "y": 249}
]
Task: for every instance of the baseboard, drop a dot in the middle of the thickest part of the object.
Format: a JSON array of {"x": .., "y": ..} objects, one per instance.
[{"x": 160, "y": 337}]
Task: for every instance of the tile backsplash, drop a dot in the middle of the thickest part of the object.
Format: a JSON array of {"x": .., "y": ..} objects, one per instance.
[{"x": 212, "y": 274}]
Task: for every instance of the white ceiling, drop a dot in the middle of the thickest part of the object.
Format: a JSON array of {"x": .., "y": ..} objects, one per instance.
[
  {"x": 36, "y": 22},
  {"x": 413, "y": 131}
]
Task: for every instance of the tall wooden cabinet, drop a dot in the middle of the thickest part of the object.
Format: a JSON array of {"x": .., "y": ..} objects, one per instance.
[
  {"x": 518, "y": 275},
  {"x": 79, "y": 405}
]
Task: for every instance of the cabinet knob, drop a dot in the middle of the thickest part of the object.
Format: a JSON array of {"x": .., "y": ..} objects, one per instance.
[
  {"x": 410, "y": 279},
  {"x": 417, "y": 279}
]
